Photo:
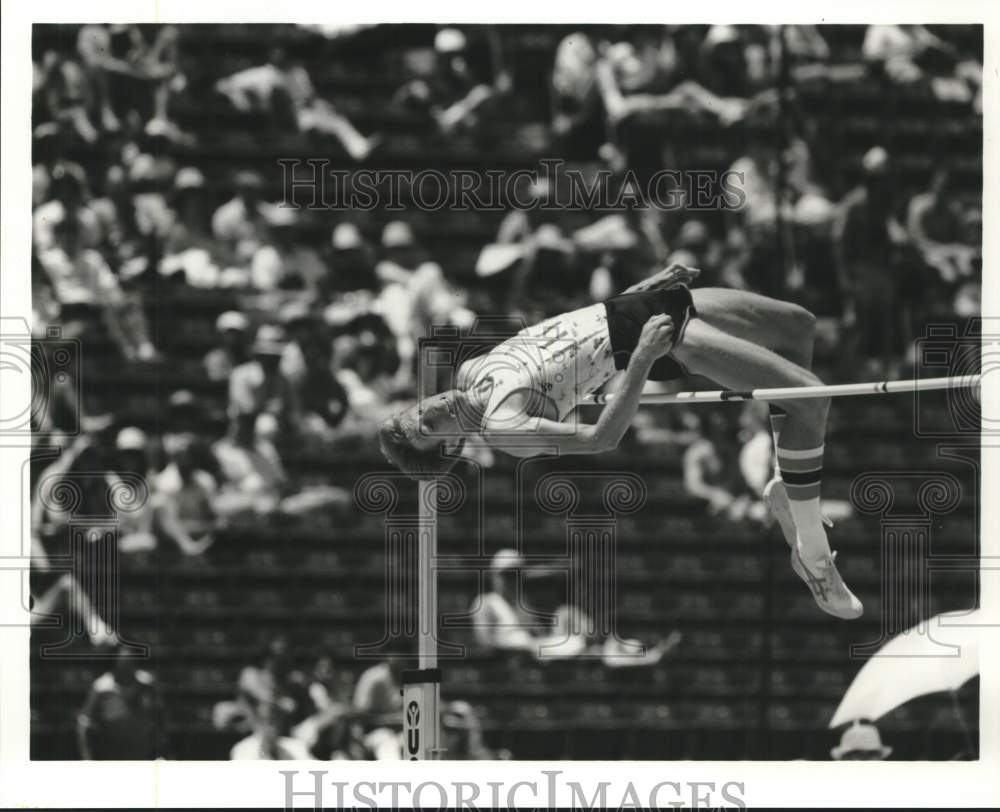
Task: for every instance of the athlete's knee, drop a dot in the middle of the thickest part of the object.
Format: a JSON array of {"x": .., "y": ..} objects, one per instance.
[
  {"x": 803, "y": 321},
  {"x": 813, "y": 411}
]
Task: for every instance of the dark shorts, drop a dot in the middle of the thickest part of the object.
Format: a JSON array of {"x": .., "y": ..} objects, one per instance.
[{"x": 629, "y": 312}]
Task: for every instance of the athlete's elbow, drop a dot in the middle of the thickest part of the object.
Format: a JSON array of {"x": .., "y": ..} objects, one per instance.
[{"x": 599, "y": 441}]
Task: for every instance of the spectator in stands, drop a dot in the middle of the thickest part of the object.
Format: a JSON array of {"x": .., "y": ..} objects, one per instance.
[
  {"x": 572, "y": 633},
  {"x": 269, "y": 740},
  {"x": 189, "y": 246},
  {"x": 861, "y": 742},
  {"x": 232, "y": 328},
  {"x": 268, "y": 684},
  {"x": 462, "y": 734},
  {"x": 123, "y": 716},
  {"x": 733, "y": 62},
  {"x": 377, "y": 692},
  {"x": 905, "y": 51},
  {"x": 282, "y": 88},
  {"x": 253, "y": 477},
  {"x": 757, "y": 460},
  {"x": 68, "y": 199},
  {"x": 184, "y": 496},
  {"x": 255, "y": 483},
  {"x": 500, "y": 623},
  {"x": 126, "y": 70},
  {"x": 711, "y": 469},
  {"x": 327, "y": 728},
  {"x": 241, "y": 223},
  {"x": 257, "y": 385},
  {"x": 459, "y": 82},
  {"x": 284, "y": 261},
  {"x": 307, "y": 364},
  {"x": 578, "y": 116},
  {"x": 935, "y": 225},
  {"x": 646, "y": 83},
  {"x": 63, "y": 595},
  {"x": 366, "y": 359},
  {"x": 867, "y": 237},
  {"x": 345, "y": 741},
  {"x": 378, "y": 697},
  {"x": 64, "y": 94},
  {"x": 351, "y": 264},
  {"x": 131, "y": 470},
  {"x": 414, "y": 293}
]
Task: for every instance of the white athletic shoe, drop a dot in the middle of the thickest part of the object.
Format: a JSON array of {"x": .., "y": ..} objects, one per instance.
[
  {"x": 828, "y": 588},
  {"x": 776, "y": 498}
]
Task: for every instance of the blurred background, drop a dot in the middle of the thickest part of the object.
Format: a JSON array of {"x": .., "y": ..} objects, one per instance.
[{"x": 222, "y": 363}]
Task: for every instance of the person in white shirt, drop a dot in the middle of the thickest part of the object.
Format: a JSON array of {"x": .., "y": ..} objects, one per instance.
[{"x": 267, "y": 743}]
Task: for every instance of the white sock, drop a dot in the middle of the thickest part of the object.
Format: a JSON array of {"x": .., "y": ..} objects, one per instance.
[{"x": 813, "y": 544}]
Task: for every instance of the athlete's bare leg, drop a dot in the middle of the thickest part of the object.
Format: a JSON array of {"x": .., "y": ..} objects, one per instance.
[
  {"x": 786, "y": 328},
  {"x": 737, "y": 363}
]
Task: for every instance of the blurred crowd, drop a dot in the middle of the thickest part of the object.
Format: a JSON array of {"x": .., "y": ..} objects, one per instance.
[{"x": 320, "y": 342}]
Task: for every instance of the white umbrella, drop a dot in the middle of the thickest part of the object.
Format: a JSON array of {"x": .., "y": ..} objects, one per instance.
[{"x": 940, "y": 654}]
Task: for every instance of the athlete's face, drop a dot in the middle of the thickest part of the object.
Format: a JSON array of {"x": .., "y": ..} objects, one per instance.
[{"x": 438, "y": 416}]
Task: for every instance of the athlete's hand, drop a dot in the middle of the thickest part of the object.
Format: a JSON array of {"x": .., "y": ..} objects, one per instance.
[{"x": 657, "y": 337}]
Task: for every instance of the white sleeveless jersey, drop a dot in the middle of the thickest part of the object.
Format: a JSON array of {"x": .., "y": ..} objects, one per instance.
[{"x": 563, "y": 359}]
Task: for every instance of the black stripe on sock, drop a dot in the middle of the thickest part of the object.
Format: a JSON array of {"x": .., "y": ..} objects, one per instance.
[{"x": 802, "y": 477}]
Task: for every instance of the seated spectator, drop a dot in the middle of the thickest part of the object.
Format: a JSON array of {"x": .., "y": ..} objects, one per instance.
[
  {"x": 462, "y": 734},
  {"x": 578, "y": 116},
  {"x": 282, "y": 85},
  {"x": 757, "y": 460},
  {"x": 378, "y": 698},
  {"x": 351, "y": 265},
  {"x": 64, "y": 94},
  {"x": 377, "y": 692},
  {"x": 123, "y": 716},
  {"x": 499, "y": 621},
  {"x": 269, "y": 740},
  {"x": 68, "y": 199},
  {"x": 307, "y": 364},
  {"x": 711, "y": 469},
  {"x": 257, "y": 385},
  {"x": 233, "y": 329},
  {"x": 126, "y": 70},
  {"x": 254, "y": 481},
  {"x": 454, "y": 86},
  {"x": 131, "y": 470},
  {"x": 325, "y": 730},
  {"x": 906, "y": 51},
  {"x": 83, "y": 284},
  {"x": 283, "y": 261},
  {"x": 184, "y": 497},
  {"x": 271, "y": 683},
  {"x": 415, "y": 295},
  {"x": 63, "y": 595},
  {"x": 647, "y": 84},
  {"x": 190, "y": 246},
  {"x": 241, "y": 223},
  {"x": 935, "y": 224},
  {"x": 574, "y": 634},
  {"x": 366, "y": 359}
]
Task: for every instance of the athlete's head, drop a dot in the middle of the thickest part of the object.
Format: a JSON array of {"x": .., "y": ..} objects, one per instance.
[{"x": 424, "y": 440}]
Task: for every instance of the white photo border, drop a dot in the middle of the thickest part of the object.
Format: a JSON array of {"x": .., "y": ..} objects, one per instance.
[{"x": 231, "y": 784}]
